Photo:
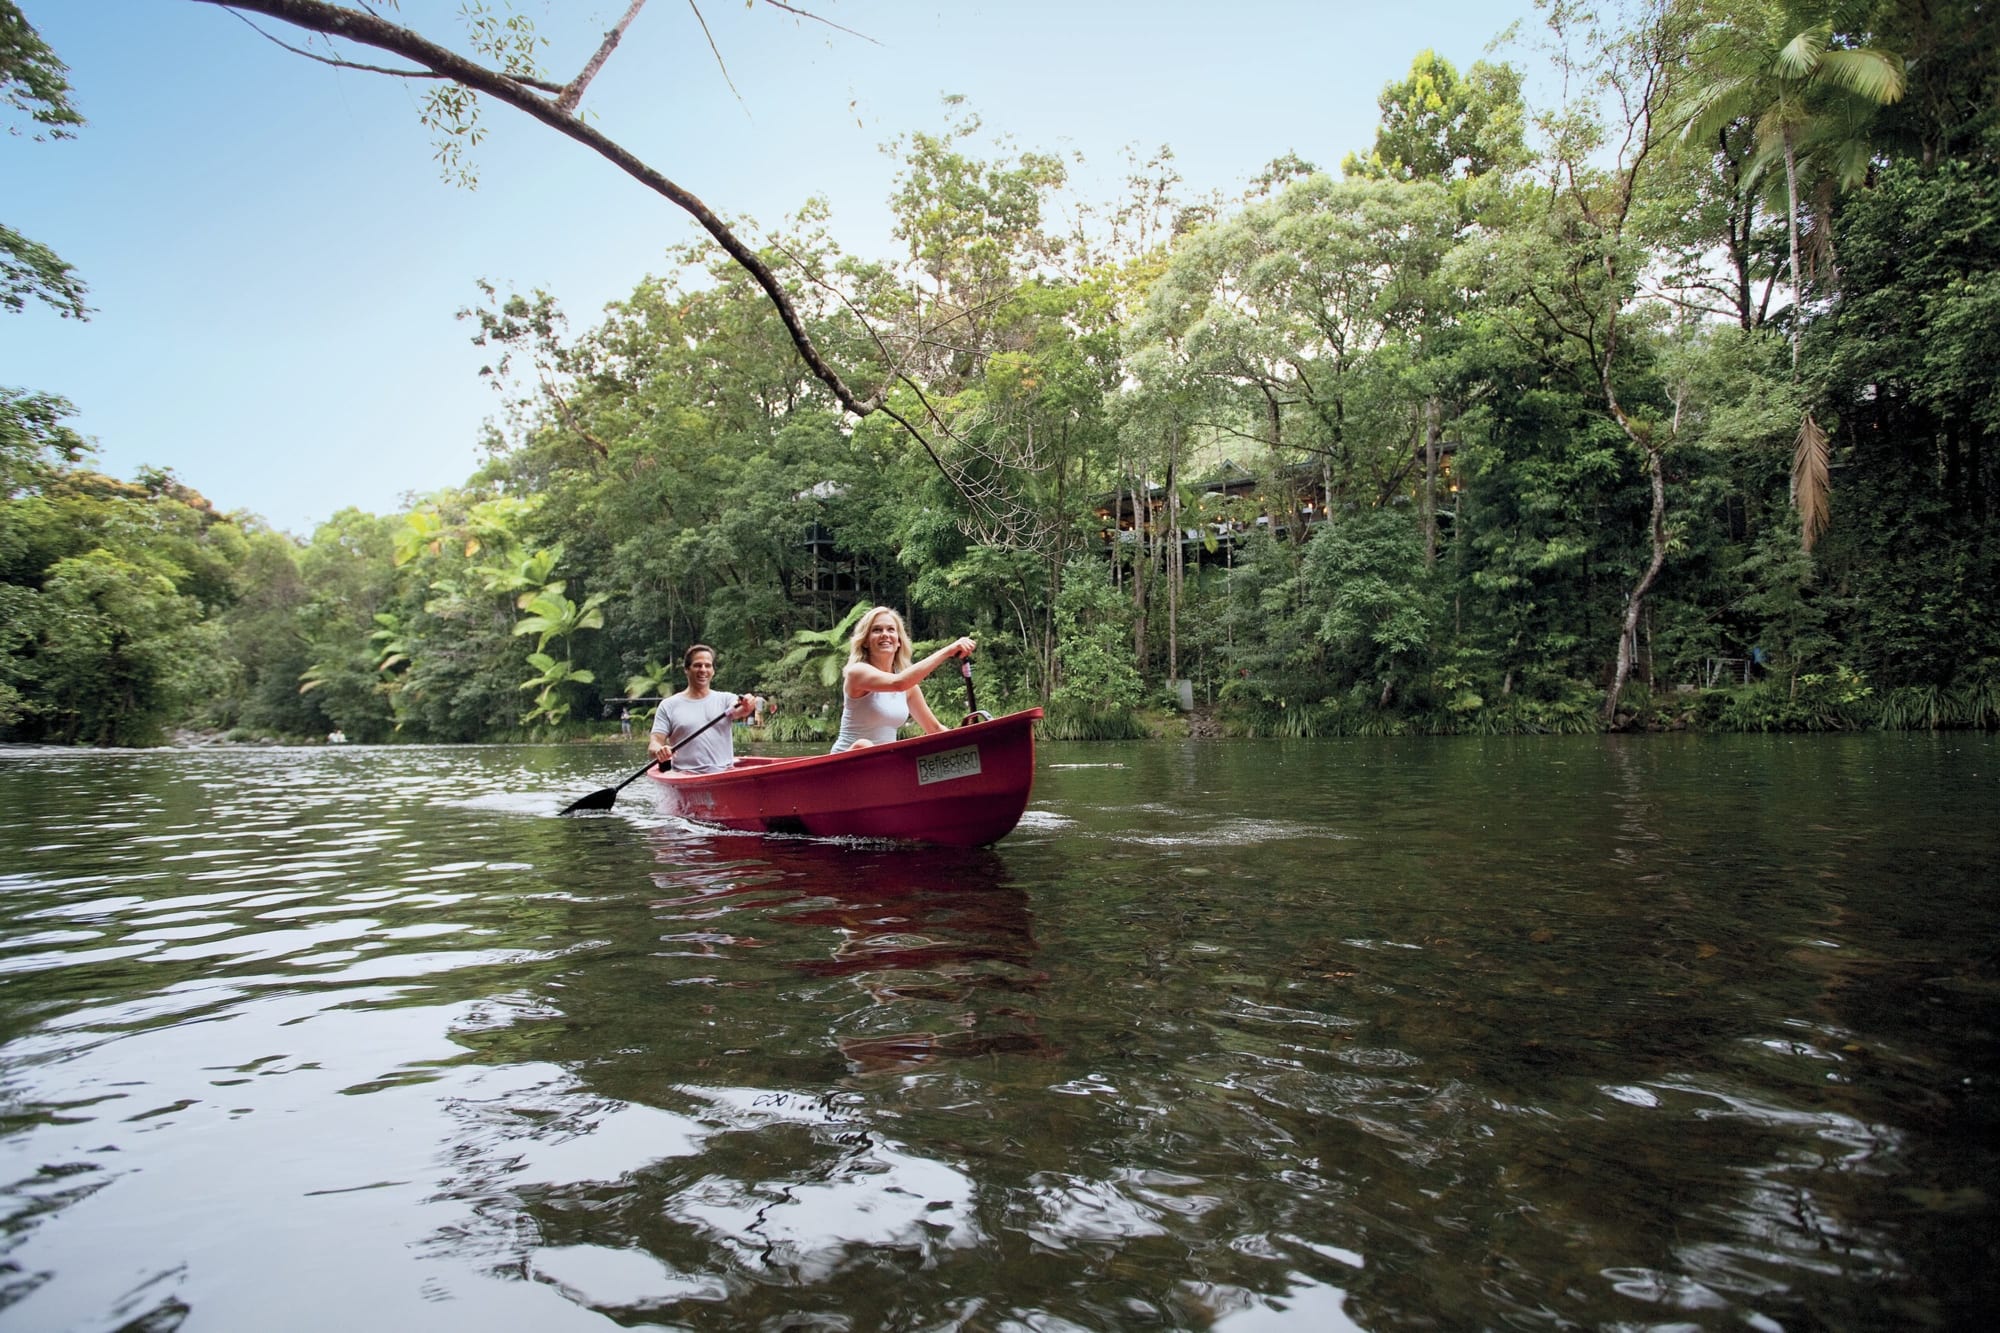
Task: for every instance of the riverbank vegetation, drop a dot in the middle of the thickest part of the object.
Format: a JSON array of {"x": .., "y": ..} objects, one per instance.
[{"x": 1672, "y": 406}]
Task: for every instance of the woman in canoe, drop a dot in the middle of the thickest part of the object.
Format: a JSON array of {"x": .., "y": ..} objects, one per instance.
[{"x": 881, "y": 688}]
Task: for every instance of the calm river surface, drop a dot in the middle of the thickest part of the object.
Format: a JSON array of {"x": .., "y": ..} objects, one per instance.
[{"x": 1672, "y": 1032}]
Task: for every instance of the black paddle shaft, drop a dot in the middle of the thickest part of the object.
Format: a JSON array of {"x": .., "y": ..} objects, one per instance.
[
  {"x": 603, "y": 797},
  {"x": 972, "y": 713}
]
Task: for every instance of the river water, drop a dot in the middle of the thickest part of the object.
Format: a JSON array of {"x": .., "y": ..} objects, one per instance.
[{"x": 1670, "y": 1032}]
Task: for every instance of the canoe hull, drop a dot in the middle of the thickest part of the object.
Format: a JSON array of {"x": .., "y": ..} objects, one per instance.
[{"x": 961, "y": 788}]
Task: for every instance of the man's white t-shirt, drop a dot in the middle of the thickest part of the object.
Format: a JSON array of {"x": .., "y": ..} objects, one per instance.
[{"x": 679, "y": 717}]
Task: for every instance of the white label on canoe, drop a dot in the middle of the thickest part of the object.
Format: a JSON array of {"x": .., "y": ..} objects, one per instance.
[{"x": 948, "y": 764}]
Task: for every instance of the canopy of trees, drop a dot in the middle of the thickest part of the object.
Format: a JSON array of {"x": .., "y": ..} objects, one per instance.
[{"x": 1674, "y": 405}]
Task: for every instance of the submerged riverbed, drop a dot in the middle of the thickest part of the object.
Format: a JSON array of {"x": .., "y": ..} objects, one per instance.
[{"x": 1634, "y": 1032}]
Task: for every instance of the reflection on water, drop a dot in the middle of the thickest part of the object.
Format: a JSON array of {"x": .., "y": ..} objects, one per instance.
[
  {"x": 937, "y": 941},
  {"x": 1384, "y": 1035}
]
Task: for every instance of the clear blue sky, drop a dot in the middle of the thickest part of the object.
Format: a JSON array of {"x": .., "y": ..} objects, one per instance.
[{"x": 275, "y": 264}]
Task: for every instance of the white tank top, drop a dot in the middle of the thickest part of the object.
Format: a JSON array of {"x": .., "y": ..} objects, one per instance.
[{"x": 876, "y": 717}]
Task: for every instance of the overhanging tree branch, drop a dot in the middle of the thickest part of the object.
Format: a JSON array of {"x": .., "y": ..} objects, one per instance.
[
  {"x": 713, "y": 49},
  {"x": 570, "y": 96},
  {"x": 338, "y": 63},
  {"x": 366, "y": 29}
]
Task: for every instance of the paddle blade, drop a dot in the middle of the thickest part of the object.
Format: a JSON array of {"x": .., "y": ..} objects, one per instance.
[{"x": 600, "y": 799}]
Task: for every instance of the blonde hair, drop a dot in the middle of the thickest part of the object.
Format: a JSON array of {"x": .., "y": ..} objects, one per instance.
[{"x": 857, "y": 647}]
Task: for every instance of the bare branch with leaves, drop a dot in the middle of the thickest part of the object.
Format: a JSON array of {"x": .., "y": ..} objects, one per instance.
[{"x": 512, "y": 42}]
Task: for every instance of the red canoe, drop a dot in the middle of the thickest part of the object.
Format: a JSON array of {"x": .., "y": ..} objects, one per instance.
[{"x": 962, "y": 788}]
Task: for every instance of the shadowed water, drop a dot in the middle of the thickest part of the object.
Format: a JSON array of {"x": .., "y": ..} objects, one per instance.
[{"x": 1666, "y": 1032}]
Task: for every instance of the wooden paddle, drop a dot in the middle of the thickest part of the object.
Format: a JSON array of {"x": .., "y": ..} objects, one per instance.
[{"x": 602, "y": 798}]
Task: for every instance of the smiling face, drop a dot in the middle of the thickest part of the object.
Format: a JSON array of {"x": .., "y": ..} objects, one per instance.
[
  {"x": 700, "y": 671},
  {"x": 883, "y": 638},
  {"x": 880, "y": 640}
]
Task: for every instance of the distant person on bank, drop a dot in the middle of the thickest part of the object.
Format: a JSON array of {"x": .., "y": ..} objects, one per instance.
[
  {"x": 680, "y": 715},
  {"x": 880, "y": 688}
]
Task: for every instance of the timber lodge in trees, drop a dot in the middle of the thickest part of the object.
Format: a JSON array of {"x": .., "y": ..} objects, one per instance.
[{"x": 1288, "y": 503}]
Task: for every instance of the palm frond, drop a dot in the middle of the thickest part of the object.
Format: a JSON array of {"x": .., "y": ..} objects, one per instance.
[
  {"x": 1800, "y": 57},
  {"x": 1721, "y": 102},
  {"x": 1811, "y": 485},
  {"x": 1874, "y": 75},
  {"x": 1845, "y": 160}
]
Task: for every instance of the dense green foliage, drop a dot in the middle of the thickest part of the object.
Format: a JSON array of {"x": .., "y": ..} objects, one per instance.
[
  {"x": 1502, "y": 431},
  {"x": 34, "y": 84}
]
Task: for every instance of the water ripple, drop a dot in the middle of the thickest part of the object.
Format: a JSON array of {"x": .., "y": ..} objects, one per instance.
[{"x": 1229, "y": 1037}]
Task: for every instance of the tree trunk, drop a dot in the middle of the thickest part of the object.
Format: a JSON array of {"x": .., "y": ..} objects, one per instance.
[
  {"x": 1792, "y": 237},
  {"x": 1042, "y": 654},
  {"x": 1142, "y": 559},
  {"x": 1975, "y": 486},
  {"x": 1635, "y": 605},
  {"x": 1051, "y": 664},
  {"x": 1175, "y": 562},
  {"x": 1117, "y": 546},
  {"x": 1431, "y": 431}
]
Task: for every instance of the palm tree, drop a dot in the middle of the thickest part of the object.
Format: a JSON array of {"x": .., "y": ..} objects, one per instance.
[
  {"x": 824, "y": 650},
  {"x": 549, "y": 706},
  {"x": 1774, "y": 65},
  {"x": 653, "y": 678},
  {"x": 556, "y": 617},
  {"x": 514, "y": 573}
]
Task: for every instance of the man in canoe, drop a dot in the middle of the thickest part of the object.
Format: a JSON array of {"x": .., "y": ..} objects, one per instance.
[
  {"x": 880, "y": 688},
  {"x": 680, "y": 716}
]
